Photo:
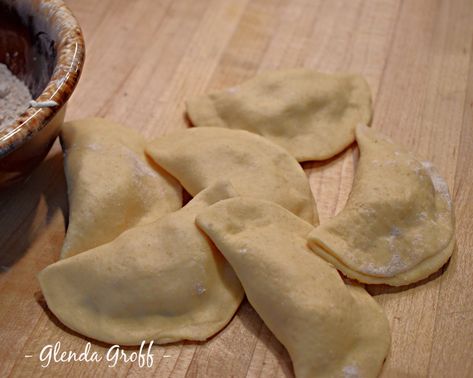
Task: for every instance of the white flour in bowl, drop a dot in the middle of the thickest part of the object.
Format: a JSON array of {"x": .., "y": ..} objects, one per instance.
[{"x": 14, "y": 97}]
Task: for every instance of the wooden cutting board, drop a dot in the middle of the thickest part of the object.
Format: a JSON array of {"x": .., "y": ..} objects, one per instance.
[{"x": 145, "y": 57}]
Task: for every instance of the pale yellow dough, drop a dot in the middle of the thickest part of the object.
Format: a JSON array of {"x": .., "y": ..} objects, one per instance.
[
  {"x": 112, "y": 185},
  {"x": 397, "y": 226},
  {"x": 329, "y": 329},
  {"x": 311, "y": 114},
  {"x": 163, "y": 281},
  {"x": 256, "y": 167}
]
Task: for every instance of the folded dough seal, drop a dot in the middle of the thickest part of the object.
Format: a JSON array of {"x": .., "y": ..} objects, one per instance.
[
  {"x": 256, "y": 167},
  {"x": 329, "y": 329},
  {"x": 163, "y": 281},
  {"x": 111, "y": 184},
  {"x": 312, "y": 115},
  {"x": 397, "y": 226}
]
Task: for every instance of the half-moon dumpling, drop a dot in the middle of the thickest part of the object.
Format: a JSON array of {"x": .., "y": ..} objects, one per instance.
[
  {"x": 256, "y": 167},
  {"x": 162, "y": 281},
  {"x": 112, "y": 185},
  {"x": 397, "y": 226},
  {"x": 311, "y": 114},
  {"x": 329, "y": 329}
]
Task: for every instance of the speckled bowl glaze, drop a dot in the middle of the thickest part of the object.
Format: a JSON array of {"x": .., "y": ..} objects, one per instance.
[{"x": 41, "y": 43}]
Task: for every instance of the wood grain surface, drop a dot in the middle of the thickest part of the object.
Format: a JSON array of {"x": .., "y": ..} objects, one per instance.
[{"x": 145, "y": 57}]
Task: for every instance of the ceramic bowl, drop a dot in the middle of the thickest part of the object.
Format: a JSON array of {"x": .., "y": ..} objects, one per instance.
[{"x": 42, "y": 44}]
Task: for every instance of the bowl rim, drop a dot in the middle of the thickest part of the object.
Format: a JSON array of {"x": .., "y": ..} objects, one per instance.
[{"x": 70, "y": 55}]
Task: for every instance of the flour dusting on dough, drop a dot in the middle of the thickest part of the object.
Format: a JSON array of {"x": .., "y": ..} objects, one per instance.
[
  {"x": 75, "y": 146},
  {"x": 200, "y": 289},
  {"x": 140, "y": 167},
  {"x": 392, "y": 238},
  {"x": 93, "y": 146},
  {"x": 438, "y": 182},
  {"x": 384, "y": 163},
  {"x": 351, "y": 371},
  {"x": 422, "y": 216},
  {"x": 233, "y": 90},
  {"x": 367, "y": 211},
  {"x": 418, "y": 241},
  {"x": 395, "y": 231},
  {"x": 394, "y": 266}
]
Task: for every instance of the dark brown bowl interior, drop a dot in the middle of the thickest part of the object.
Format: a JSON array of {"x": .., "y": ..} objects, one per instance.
[{"x": 29, "y": 54}]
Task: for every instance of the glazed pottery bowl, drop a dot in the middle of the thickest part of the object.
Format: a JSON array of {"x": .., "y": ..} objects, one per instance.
[{"x": 42, "y": 44}]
